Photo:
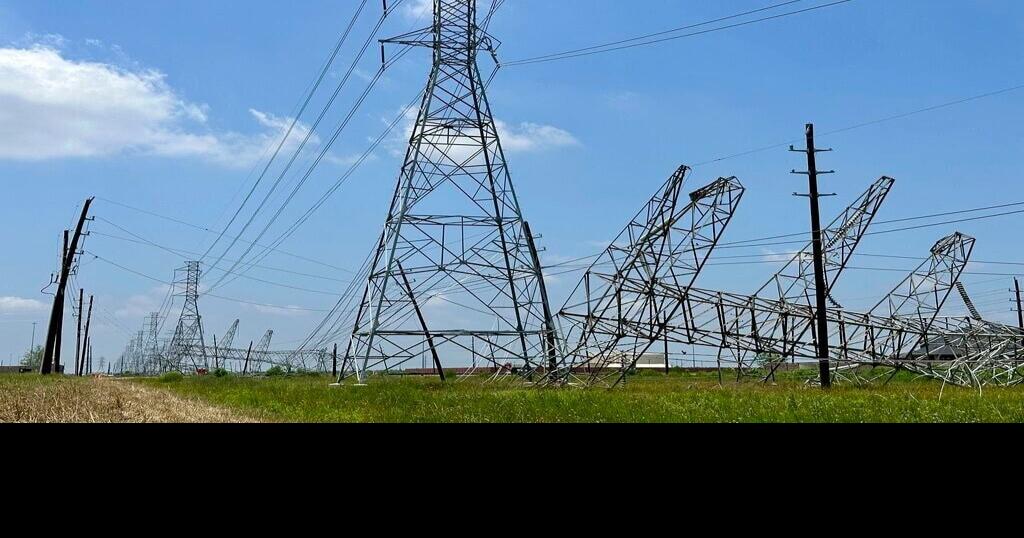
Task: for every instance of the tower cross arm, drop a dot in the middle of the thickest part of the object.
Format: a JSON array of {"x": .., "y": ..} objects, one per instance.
[{"x": 424, "y": 37}]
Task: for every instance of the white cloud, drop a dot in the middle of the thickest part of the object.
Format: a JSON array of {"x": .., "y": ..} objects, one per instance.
[
  {"x": 55, "y": 107},
  {"x": 533, "y": 137},
  {"x": 973, "y": 267},
  {"x": 418, "y": 9},
  {"x": 522, "y": 138},
  {"x": 137, "y": 307},
  {"x": 348, "y": 160},
  {"x": 552, "y": 280},
  {"x": 18, "y": 305},
  {"x": 289, "y": 311},
  {"x": 780, "y": 257}
]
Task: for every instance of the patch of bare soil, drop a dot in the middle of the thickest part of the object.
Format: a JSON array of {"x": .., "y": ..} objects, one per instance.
[{"x": 104, "y": 401}]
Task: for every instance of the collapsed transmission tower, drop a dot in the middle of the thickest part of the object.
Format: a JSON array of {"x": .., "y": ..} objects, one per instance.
[
  {"x": 793, "y": 285},
  {"x": 619, "y": 310},
  {"x": 222, "y": 349},
  {"x": 187, "y": 351},
  {"x": 455, "y": 233},
  {"x": 641, "y": 291},
  {"x": 260, "y": 353}
]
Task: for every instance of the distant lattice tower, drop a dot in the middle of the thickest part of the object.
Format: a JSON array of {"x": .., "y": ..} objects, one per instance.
[
  {"x": 152, "y": 359},
  {"x": 455, "y": 233},
  {"x": 138, "y": 356},
  {"x": 187, "y": 350}
]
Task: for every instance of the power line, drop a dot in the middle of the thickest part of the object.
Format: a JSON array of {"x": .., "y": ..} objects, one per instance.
[
  {"x": 207, "y": 230},
  {"x": 868, "y": 123},
  {"x": 882, "y": 222},
  {"x": 184, "y": 253},
  {"x": 746, "y": 243},
  {"x": 231, "y": 299},
  {"x": 655, "y": 34},
  {"x": 587, "y": 52},
  {"x": 334, "y": 188},
  {"x": 312, "y": 129},
  {"x": 312, "y": 167},
  {"x": 881, "y": 232},
  {"x": 323, "y": 73}
]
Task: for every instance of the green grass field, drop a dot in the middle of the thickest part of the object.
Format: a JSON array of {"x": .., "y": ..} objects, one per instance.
[{"x": 679, "y": 397}]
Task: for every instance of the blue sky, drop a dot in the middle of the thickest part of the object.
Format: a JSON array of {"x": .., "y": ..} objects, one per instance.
[{"x": 169, "y": 105}]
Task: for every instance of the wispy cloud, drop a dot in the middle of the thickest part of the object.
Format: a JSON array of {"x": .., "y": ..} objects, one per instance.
[
  {"x": 138, "y": 306},
  {"x": 288, "y": 311},
  {"x": 54, "y": 107},
  {"x": 524, "y": 137},
  {"x": 19, "y": 305},
  {"x": 773, "y": 256},
  {"x": 533, "y": 137},
  {"x": 418, "y": 9}
]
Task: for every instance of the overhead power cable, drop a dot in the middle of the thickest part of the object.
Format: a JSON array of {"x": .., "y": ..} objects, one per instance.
[
  {"x": 312, "y": 129},
  {"x": 883, "y": 222},
  {"x": 333, "y": 188},
  {"x": 759, "y": 242},
  {"x": 138, "y": 239},
  {"x": 207, "y": 230},
  {"x": 309, "y": 171},
  {"x": 867, "y": 123},
  {"x": 230, "y": 299},
  {"x": 291, "y": 127},
  {"x": 628, "y": 43},
  {"x": 881, "y": 232}
]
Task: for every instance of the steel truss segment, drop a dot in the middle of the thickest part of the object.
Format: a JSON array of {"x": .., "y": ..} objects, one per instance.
[
  {"x": 794, "y": 283},
  {"x": 303, "y": 360},
  {"x": 228, "y": 339},
  {"x": 454, "y": 266},
  {"x": 222, "y": 352},
  {"x": 902, "y": 332},
  {"x": 617, "y": 311},
  {"x": 962, "y": 351}
]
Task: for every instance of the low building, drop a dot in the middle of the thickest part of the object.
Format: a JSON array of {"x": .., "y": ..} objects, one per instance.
[{"x": 15, "y": 370}]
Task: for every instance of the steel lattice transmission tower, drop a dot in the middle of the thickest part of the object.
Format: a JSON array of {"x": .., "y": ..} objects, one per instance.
[
  {"x": 455, "y": 233},
  {"x": 151, "y": 361},
  {"x": 187, "y": 347}
]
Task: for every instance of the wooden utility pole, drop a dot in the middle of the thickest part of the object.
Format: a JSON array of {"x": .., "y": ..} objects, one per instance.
[
  {"x": 78, "y": 338},
  {"x": 51, "y": 352},
  {"x": 59, "y": 337},
  {"x": 667, "y": 366},
  {"x": 334, "y": 360},
  {"x": 88, "y": 322},
  {"x": 820, "y": 291},
  {"x": 1020, "y": 312},
  {"x": 245, "y": 368}
]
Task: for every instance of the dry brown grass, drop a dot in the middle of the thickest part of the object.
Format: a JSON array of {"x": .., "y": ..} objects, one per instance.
[{"x": 59, "y": 399}]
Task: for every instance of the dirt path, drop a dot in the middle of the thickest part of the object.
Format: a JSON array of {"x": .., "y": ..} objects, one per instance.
[{"x": 103, "y": 400}]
